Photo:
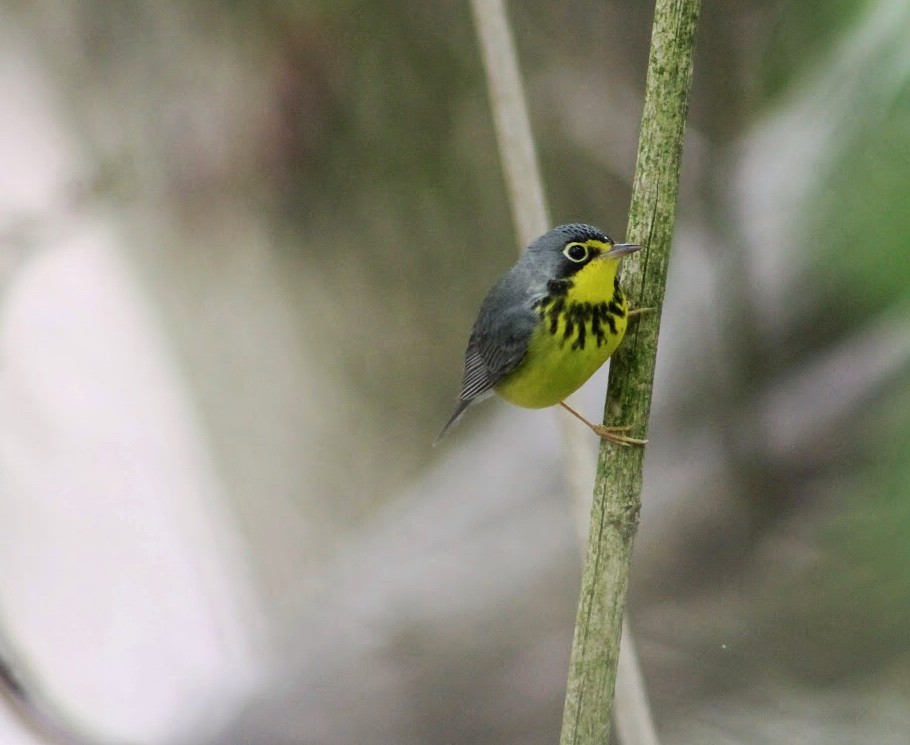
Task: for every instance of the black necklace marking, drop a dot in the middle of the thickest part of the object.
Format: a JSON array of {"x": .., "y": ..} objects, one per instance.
[{"x": 581, "y": 319}]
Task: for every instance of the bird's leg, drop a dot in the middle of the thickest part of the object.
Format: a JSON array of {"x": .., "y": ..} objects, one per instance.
[{"x": 610, "y": 434}]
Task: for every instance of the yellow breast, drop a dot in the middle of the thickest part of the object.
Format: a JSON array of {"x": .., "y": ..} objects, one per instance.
[{"x": 582, "y": 321}]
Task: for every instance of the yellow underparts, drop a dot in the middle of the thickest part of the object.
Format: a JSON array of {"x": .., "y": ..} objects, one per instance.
[{"x": 580, "y": 327}]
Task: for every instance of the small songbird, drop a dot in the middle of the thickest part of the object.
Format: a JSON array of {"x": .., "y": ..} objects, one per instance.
[{"x": 549, "y": 324}]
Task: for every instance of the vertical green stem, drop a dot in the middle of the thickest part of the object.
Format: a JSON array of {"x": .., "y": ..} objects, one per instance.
[{"x": 617, "y": 491}]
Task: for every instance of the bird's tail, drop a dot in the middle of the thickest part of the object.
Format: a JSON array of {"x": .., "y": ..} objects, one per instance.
[{"x": 456, "y": 415}]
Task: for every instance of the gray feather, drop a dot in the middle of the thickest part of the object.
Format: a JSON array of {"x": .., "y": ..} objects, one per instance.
[{"x": 500, "y": 337}]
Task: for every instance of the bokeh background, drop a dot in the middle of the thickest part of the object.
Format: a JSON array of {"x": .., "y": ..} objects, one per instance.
[{"x": 241, "y": 245}]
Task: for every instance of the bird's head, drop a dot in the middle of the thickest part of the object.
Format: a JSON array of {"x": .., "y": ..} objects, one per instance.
[{"x": 579, "y": 253}]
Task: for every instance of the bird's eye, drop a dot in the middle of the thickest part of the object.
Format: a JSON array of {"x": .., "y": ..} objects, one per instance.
[{"x": 576, "y": 252}]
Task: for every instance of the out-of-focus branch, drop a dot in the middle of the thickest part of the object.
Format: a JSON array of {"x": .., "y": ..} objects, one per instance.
[
  {"x": 510, "y": 117},
  {"x": 531, "y": 218},
  {"x": 617, "y": 491}
]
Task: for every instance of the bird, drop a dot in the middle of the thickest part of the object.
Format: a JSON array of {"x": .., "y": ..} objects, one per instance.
[{"x": 549, "y": 324}]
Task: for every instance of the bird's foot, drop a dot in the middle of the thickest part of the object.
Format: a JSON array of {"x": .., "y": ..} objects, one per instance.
[{"x": 614, "y": 435}]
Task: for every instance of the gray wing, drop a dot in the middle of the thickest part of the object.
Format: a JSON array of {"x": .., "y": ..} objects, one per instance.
[
  {"x": 494, "y": 350},
  {"x": 498, "y": 343}
]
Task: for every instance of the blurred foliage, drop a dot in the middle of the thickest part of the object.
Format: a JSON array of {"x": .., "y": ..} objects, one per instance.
[
  {"x": 858, "y": 219},
  {"x": 801, "y": 34},
  {"x": 846, "y": 615}
]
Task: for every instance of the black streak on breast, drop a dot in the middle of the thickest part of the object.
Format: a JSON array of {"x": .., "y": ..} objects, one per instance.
[{"x": 582, "y": 320}]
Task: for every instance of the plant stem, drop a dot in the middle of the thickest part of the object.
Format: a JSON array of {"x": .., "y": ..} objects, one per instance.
[
  {"x": 617, "y": 489},
  {"x": 512, "y": 123}
]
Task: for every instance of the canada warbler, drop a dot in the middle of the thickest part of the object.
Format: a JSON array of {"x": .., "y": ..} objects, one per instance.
[{"x": 549, "y": 324}]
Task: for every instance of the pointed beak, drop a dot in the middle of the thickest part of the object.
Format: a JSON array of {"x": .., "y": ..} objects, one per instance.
[{"x": 621, "y": 249}]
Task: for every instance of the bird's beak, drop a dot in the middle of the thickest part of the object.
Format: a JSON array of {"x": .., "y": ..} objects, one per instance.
[{"x": 621, "y": 249}]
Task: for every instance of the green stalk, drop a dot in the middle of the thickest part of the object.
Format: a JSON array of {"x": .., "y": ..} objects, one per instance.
[{"x": 617, "y": 490}]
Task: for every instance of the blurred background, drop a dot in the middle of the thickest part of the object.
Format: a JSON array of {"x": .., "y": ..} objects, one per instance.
[{"x": 241, "y": 247}]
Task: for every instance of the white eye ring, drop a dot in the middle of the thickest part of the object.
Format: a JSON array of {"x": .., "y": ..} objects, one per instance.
[{"x": 572, "y": 252}]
